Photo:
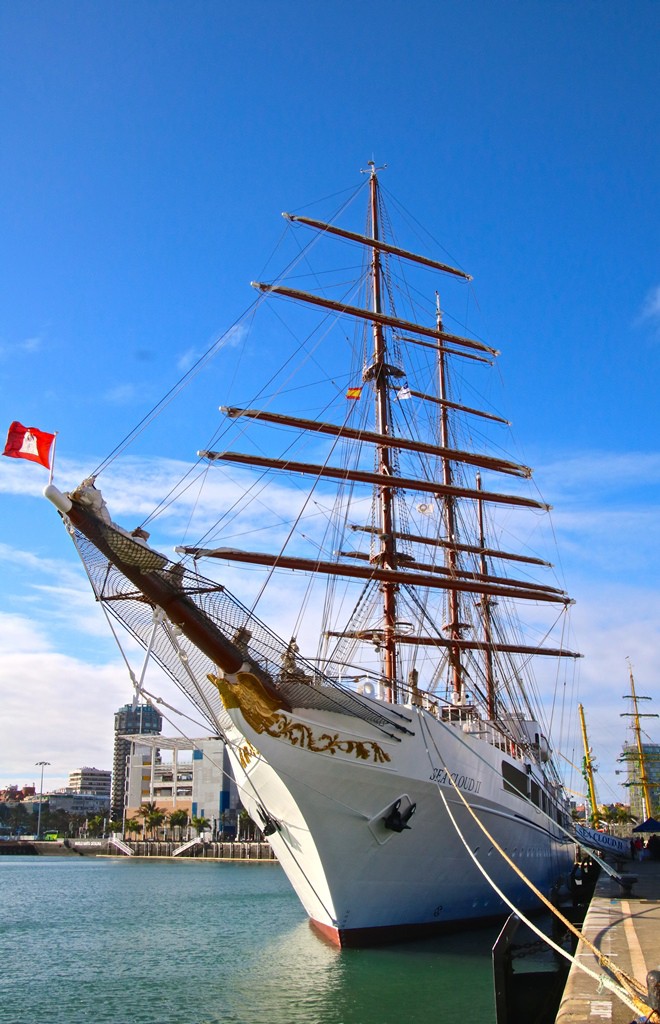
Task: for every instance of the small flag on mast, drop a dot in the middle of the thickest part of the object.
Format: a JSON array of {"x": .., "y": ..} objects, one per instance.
[
  {"x": 29, "y": 443},
  {"x": 354, "y": 392},
  {"x": 403, "y": 393}
]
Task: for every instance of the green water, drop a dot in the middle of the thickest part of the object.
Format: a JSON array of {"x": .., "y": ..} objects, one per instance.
[{"x": 105, "y": 941}]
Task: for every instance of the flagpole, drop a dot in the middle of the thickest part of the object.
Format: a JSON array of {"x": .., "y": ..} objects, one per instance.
[{"x": 52, "y": 459}]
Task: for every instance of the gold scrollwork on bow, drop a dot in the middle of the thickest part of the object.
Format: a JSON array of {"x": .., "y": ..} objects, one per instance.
[
  {"x": 261, "y": 710},
  {"x": 246, "y": 753}
]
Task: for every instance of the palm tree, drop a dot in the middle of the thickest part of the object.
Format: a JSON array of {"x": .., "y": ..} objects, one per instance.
[
  {"x": 76, "y": 824},
  {"x": 95, "y": 825},
  {"x": 132, "y": 826},
  {"x": 19, "y": 818},
  {"x": 245, "y": 826},
  {"x": 200, "y": 824},
  {"x": 151, "y": 814},
  {"x": 60, "y": 821},
  {"x": 156, "y": 819},
  {"x": 178, "y": 820}
]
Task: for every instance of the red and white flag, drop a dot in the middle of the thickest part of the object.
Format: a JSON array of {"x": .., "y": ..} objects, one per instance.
[{"x": 29, "y": 443}]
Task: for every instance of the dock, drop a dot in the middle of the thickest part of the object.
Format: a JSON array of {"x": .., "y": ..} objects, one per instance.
[{"x": 625, "y": 926}]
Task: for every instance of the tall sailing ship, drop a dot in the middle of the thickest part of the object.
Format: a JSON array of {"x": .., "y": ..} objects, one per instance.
[{"x": 390, "y": 748}]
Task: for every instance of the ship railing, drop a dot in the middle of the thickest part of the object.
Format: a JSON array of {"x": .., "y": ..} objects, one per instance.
[
  {"x": 491, "y": 734},
  {"x": 459, "y": 713},
  {"x": 471, "y": 722}
]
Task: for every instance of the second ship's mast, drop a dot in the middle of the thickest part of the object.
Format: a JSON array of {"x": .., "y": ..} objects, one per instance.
[
  {"x": 647, "y": 803},
  {"x": 454, "y": 625}
]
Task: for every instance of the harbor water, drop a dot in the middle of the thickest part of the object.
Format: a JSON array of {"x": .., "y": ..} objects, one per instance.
[{"x": 122, "y": 941}]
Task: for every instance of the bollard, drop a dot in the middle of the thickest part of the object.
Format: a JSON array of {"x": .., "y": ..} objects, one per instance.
[{"x": 653, "y": 986}]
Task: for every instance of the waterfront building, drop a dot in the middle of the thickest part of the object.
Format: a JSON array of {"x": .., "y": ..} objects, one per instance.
[
  {"x": 14, "y": 795},
  {"x": 81, "y": 804},
  {"x": 130, "y": 720},
  {"x": 90, "y": 780},
  {"x": 181, "y": 774}
]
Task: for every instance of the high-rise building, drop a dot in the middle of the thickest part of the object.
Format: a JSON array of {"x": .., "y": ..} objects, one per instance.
[{"x": 132, "y": 719}]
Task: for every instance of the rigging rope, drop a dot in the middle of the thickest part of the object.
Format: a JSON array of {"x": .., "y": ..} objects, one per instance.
[
  {"x": 211, "y": 351},
  {"x": 139, "y": 688},
  {"x": 629, "y": 989}
]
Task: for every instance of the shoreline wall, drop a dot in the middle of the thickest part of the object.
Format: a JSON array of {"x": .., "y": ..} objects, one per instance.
[{"x": 140, "y": 848}]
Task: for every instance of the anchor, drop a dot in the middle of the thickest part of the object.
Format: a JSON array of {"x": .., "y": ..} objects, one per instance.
[{"x": 396, "y": 821}]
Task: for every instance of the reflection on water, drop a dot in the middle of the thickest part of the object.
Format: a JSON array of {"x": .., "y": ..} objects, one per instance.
[
  {"x": 109, "y": 941},
  {"x": 438, "y": 979}
]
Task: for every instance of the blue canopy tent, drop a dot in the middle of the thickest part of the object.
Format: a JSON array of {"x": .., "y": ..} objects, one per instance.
[{"x": 650, "y": 825}]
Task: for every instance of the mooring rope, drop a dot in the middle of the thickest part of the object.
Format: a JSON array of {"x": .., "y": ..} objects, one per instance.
[{"x": 629, "y": 990}]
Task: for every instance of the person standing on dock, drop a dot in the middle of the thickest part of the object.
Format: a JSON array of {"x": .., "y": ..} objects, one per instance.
[{"x": 575, "y": 883}]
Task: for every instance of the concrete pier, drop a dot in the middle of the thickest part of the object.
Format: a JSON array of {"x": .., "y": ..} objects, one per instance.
[{"x": 626, "y": 927}]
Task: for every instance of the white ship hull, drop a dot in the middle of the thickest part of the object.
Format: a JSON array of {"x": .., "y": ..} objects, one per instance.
[{"x": 359, "y": 881}]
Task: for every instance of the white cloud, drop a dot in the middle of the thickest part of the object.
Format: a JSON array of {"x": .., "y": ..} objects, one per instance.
[
  {"x": 187, "y": 359},
  {"x": 651, "y": 306},
  {"x": 649, "y": 314},
  {"x": 52, "y": 591},
  {"x": 27, "y": 346},
  {"x": 18, "y": 636},
  {"x": 31, "y": 345},
  {"x": 55, "y": 707},
  {"x": 29, "y": 562},
  {"x": 234, "y": 337},
  {"x": 123, "y": 394},
  {"x": 59, "y": 707},
  {"x": 231, "y": 338},
  {"x": 15, "y": 480},
  {"x": 595, "y": 474}
]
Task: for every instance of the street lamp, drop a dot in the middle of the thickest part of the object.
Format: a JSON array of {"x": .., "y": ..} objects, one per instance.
[{"x": 42, "y": 765}]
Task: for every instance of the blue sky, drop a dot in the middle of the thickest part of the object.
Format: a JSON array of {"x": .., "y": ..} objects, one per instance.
[{"x": 148, "y": 151}]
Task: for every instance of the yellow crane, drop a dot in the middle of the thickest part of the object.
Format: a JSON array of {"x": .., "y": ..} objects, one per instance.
[{"x": 589, "y": 767}]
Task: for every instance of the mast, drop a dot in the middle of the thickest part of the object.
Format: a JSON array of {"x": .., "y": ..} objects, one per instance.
[
  {"x": 486, "y": 604},
  {"x": 647, "y": 803},
  {"x": 589, "y": 768},
  {"x": 454, "y": 625},
  {"x": 378, "y": 373},
  {"x": 393, "y": 569}
]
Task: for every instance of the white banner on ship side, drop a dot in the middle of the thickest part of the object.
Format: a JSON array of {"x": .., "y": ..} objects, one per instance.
[{"x": 602, "y": 841}]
